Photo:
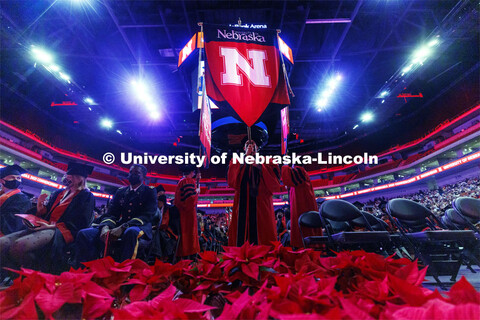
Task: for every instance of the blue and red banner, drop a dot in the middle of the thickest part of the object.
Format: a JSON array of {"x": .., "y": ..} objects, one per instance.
[{"x": 243, "y": 70}]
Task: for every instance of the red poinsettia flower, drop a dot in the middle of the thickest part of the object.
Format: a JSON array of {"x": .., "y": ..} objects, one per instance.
[
  {"x": 208, "y": 274},
  {"x": 152, "y": 280},
  {"x": 162, "y": 306},
  {"x": 50, "y": 293},
  {"x": 411, "y": 294},
  {"x": 244, "y": 263},
  {"x": 246, "y": 307},
  {"x": 463, "y": 292},
  {"x": 112, "y": 275},
  {"x": 438, "y": 309},
  {"x": 17, "y": 301}
]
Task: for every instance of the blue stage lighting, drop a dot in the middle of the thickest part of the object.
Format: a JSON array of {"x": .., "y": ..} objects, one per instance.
[{"x": 106, "y": 123}]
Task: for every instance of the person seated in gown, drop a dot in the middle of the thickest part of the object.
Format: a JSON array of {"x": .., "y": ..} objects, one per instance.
[
  {"x": 65, "y": 213},
  {"x": 167, "y": 230},
  {"x": 12, "y": 200},
  {"x": 128, "y": 219}
]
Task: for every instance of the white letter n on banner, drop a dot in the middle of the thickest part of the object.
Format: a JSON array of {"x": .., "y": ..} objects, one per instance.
[{"x": 232, "y": 59}]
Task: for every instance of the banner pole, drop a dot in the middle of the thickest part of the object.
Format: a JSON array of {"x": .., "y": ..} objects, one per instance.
[
  {"x": 249, "y": 133},
  {"x": 199, "y": 58}
]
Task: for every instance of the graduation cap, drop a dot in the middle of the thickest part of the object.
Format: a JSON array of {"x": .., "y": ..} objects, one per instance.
[
  {"x": 11, "y": 170},
  {"x": 79, "y": 169}
]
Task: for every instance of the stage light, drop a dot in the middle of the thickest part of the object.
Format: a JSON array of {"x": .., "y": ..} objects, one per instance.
[
  {"x": 322, "y": 102},
  {"x": 54, "y": 67},
  {"x": 421, "y": 54},
  {"x": 89, "y": 101},
  {"x": 151, "y": 106},
  {"x": 383, "y": 101},
  {"x": 433, "y": 42},
  {"x": 119, "y": 132},
  {"x": 41, "y": 55},
  {"x": 141, "y": 89},
  {"x": 106, "y": 123},
  {"x": 367, "y": 117},
  {"x": 334, "y": 81},
  {"x": 89, "y": 108},
  {"x": 155, "y": 115},
  {"x": 328, "y": 91},
  {"x": 407, "y": 68},
  {"x": 64, "y": 76},
  {"x": 355, "y": 126},
  {"x": 384, "y": 94}
]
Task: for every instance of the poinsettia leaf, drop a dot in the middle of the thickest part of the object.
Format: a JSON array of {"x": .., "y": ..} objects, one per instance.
[
  {"x": 14, "y": 310},
  {"x": 51, "y": 302},
  {"x": 251, "y": 269},
  {"x": 95, "y": 306},
  {"x": 411, "y": 274},
  {"x": 204, "y": 286},
  {"x": 190, "y": 306},
  {"x": 353, "y": 311},
  {"x": 166, "y": 295},
  {"x": 139, "y": 292},
  {"x": 463, "y": 292}
]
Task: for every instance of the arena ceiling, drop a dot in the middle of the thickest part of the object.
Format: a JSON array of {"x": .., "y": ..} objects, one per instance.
[{"x": 102, "y": 45}]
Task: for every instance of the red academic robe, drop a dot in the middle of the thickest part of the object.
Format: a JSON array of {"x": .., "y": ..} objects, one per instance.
[
  {"x": 253, "y": 218},
  {"x": 302, "y": 199},
  {"x": 186, "y": 202}
]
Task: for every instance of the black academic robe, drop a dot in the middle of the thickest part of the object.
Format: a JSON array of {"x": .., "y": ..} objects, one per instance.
[
  {"x": 16, "y": 204},
  {"x": 133, "y": 208},
  {"x": 165, "y": 238},
  {"x": 77, "y": 216}
]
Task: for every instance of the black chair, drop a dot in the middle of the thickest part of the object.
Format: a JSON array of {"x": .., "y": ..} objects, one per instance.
[
  {"x": 468, "y": 210},
  {"x": 452, "y": 220},
  {"x": 440, "y": 249},
  {"x": 311, "y": 219},
  {"x": 375, "y": 223},
  {"x": 340, "y": 211}
]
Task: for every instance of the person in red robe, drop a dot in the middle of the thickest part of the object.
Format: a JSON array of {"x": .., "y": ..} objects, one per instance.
[
  {"x": 302, "y": 199},
  {"x": 253, "y": 218},
  {"x": 186, "y": 196}
]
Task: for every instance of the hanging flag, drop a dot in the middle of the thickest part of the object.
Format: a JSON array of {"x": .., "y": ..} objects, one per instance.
[
  {"x": 243, "y": 70},
  {"x": 284, "y": 116},
  {"x": 205, "y": 131}
]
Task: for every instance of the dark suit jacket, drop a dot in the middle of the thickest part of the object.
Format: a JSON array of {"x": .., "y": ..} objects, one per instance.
[{"x": 132, "y": 208}]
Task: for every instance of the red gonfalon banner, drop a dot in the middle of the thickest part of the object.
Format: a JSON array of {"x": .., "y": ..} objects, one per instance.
[
  {"x": 285, "y": 121},
  {"x": 243, "y": 69},
  {"x": 205, "y": 131}
]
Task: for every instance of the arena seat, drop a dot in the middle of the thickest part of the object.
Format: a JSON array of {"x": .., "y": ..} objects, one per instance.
[
  {"x": 341, "y": 211},
  {"x": 311, "y": 219},
  {"x": 452, "y": 220},
  {"x": 369, "y": 219},
  {"x": 440, "y": 249},
  {"x": 468, "y": 210}
]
